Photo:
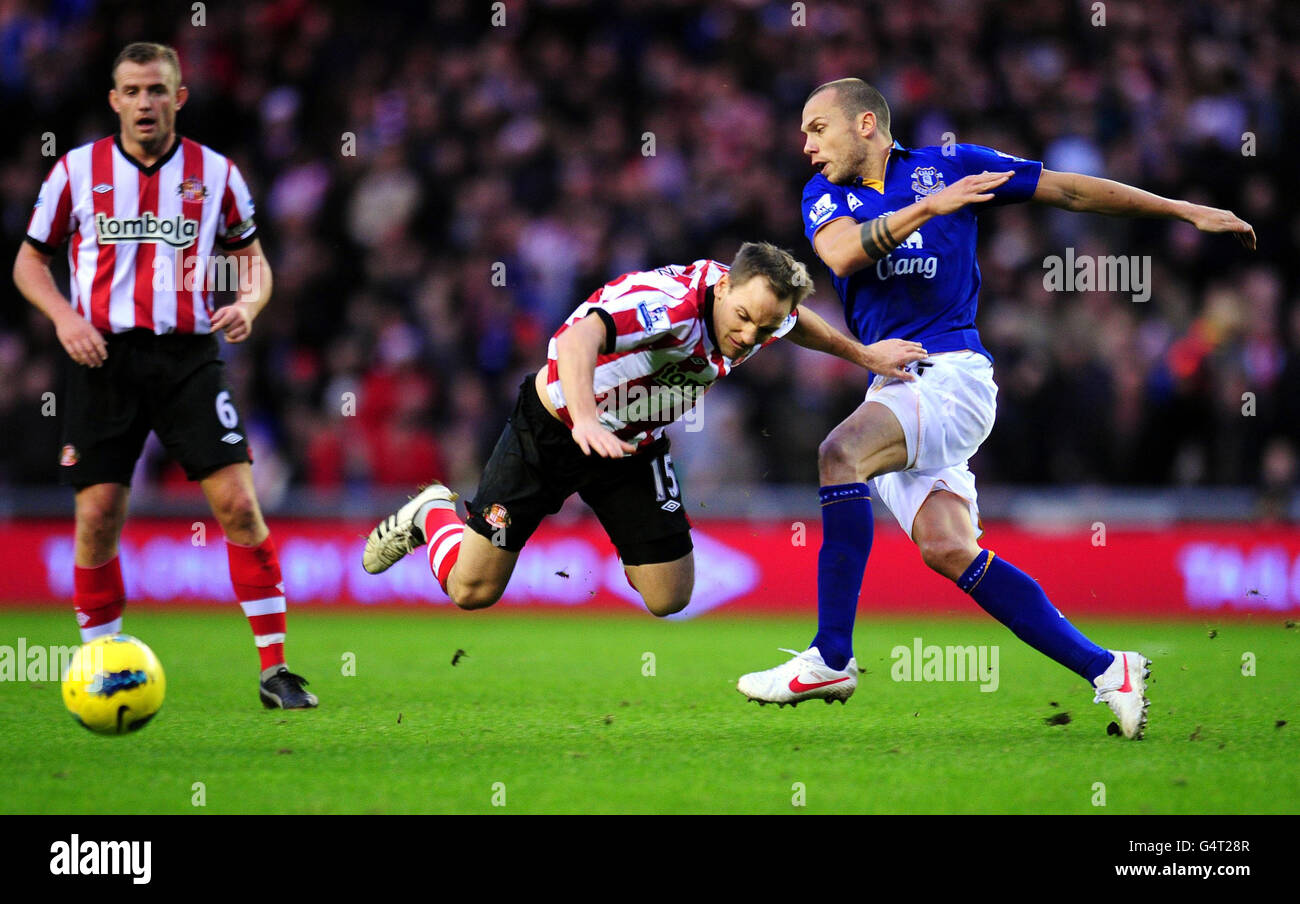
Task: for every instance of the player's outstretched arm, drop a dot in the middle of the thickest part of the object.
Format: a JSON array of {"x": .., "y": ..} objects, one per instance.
[
  {"x": 79, "y": 339},
  {"x": 236, "y": 319},
  {"x": 847, "y": 246},
  {"x": 887, "y": 357},
  {"x": 575, "y": 353},
  {"x": 1088, "y": 194}
]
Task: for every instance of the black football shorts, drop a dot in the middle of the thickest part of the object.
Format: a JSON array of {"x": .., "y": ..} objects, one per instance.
[
  {"x": 536, "y": 465},
  {"x": 173, "y": 385}
]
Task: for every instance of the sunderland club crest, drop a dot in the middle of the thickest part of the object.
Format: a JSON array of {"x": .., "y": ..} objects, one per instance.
[
  {"x": 926, "y": 180},
  {"x": 496, "y": 515},
  {"x": 192, "y": 190}
]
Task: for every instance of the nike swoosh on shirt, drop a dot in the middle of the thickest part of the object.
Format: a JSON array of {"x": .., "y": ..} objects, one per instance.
[{"x": 799, "y": 687}]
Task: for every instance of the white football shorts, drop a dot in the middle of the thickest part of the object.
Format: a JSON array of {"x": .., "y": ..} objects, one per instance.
[{"x": 946, "y": 413}]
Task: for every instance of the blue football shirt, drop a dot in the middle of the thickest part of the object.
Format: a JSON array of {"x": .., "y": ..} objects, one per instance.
[{"x": 927, "y": 289}]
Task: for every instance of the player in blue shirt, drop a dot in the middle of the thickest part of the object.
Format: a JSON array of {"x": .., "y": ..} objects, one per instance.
[{"x": 897, "y": 228}]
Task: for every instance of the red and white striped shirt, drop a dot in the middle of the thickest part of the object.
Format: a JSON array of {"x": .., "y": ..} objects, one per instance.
[
  {"x": 660, "y": 355},
  {"x": 142, "y": 238}
]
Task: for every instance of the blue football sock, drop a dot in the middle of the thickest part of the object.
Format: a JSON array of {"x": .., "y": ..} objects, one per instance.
[
  {"x": 846, "y": 542},
  {"x": 1016, "y": 600}
]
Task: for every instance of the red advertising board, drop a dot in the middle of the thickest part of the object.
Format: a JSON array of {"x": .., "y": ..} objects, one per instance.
[{"x": 741, "y": 567}]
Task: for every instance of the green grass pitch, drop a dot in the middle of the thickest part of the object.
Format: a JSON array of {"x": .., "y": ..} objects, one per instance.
[{"x": 558, "y": 710}]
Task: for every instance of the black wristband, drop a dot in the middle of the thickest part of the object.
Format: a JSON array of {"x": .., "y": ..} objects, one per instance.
[
  {"x": 889, "y": 236},
  {"x": 876, "y": 239}
]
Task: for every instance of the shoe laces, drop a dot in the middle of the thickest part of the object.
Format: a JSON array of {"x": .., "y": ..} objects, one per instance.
[
  {"x": 284, "y": 675},
  {"x": 400, "y": 535},
  {"x": 1104, "y": 692},
  {"x": 800, "y": 659},
  {"x": 799, "y": 655}
]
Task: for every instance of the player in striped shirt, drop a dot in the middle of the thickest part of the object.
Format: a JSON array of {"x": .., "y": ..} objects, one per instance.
[
  {"x": 634, "y": 357},
  {"x": 143, "y": 212}
]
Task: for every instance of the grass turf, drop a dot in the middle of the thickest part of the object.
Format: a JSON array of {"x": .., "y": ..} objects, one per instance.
[{"x": 558, "y": 709}]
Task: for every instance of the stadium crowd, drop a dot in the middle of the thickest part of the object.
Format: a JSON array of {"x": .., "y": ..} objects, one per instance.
[{"x": 436, "y": 192}]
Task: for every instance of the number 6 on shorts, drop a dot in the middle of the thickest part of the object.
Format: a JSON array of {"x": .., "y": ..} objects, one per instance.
[{"x": 226, "y": 411}]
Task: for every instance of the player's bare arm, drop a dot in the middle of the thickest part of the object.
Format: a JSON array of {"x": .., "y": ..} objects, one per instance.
[
  {"x": 1089, "y": 194},
  {"x": 847, "y": 246},
  {"x": 576, "y": 350},
  {"x": 236, "y": 320},
  {"x": 79, "y": 339},
  {"x": 888, "y": 357}
]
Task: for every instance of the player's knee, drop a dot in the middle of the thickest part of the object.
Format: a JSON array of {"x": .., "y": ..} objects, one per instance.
[
  {"x": 948, "y": 555},
  {"x": 837, "y": 459},
  {"x": 239, "y": 516},
  {"x": 474, "y": 594},
  {"x": 667, "y": 605},
  {"x": 99, "y": 520}
]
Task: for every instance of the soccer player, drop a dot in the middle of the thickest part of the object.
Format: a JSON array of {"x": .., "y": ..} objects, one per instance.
[
  {"x": 896, "y": 226},
  {"x": 144, "y": 210},
  {"x": 635, "y": 356}
]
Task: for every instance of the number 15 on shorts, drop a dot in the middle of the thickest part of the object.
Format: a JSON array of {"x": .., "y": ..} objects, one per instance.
[{"x": 666, "y": 490}]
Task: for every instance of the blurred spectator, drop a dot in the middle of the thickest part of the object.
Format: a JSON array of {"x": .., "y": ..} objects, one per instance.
[{"x": 437, "y": 194}]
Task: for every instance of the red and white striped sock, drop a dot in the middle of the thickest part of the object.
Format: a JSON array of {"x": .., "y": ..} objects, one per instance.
[
  {"x": 443, "y": 531},
  {"x": 99, "y": 597},
  {"x": 255, "y": 573}
]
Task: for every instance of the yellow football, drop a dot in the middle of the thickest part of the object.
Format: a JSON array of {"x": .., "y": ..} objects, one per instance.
[{"x": 114, "y": 684}]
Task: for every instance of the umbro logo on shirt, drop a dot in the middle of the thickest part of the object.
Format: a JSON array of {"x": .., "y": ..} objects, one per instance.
[
  {"x": 101, "y": 188},
  {"x": 231, "y": 438}
]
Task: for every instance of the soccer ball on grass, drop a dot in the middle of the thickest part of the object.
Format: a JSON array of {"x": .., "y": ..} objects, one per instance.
[{"x": 114, "y": 684}]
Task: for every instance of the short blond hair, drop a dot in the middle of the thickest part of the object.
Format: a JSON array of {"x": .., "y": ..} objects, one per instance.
[{"x": 142, "y": 52}]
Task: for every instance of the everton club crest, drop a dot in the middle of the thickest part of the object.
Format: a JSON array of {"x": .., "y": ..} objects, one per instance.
[
  {"x": 192, "y": 190},
  {"x": 926, "y": 180}
]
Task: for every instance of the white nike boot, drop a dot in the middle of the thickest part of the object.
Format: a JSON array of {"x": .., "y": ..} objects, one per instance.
[
  {"x": 1123, "y": 687},
  {"x": 399, "y": 534},
  {"x": 805, "y": 677}
]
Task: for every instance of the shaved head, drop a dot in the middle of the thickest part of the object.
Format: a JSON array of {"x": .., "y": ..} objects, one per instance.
[{"x": 854, "y": 96}]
